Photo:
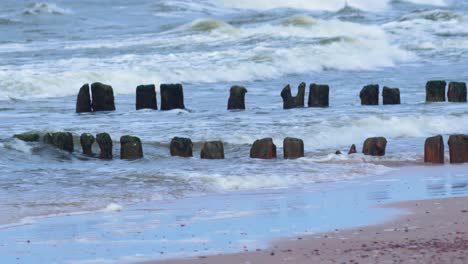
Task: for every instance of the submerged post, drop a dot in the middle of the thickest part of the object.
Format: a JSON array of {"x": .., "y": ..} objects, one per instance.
[
  {"x": 375, "y": 146},
  {"x": 104, "y": 141},
  {"x": 146, "y": 97},
  {"x": 391, "y": 96},
  {"x": 83, "y": 100},
  {"x": 293, "y": 148},
  {"x": 172, "y": 96},
  {"x": 319, "y": 95},
  {"x": 352, "y": 150},
  {"x": 212, "y": 150},
  {"x": 182, "y": 147},
  {"x": 103, "y": 97},
  {"x": 434, "y": 150},
  {"x": 290, "y": 101},
  {"x": 458, "y": 147},
  {"x": 457, "y": 92},
  {"x": 87, "y": 141},
  {"x": 130, "y": 148},
  {"x": 60, "y": 140},
  {"x": 28, "y": 137},
  {"x": 435, "y": 91},
  {"x": 237, "y": 98},
  {"x": 370, "y": 95},
  {"x": 263, "y": 149}
]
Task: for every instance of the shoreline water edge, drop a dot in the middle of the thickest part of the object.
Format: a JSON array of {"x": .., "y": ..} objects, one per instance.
[
  {"x": 430, "y": 231},
  {"x": 228, "y": 223}
]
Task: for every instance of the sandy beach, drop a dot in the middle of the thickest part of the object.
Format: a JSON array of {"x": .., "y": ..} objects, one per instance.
[
  {"x": 432, "y": 231},
  {"x": 366, "y": 220}
]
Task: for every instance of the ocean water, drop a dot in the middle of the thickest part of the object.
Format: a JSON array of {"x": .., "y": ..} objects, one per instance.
[{"x": 49, "y": 49}]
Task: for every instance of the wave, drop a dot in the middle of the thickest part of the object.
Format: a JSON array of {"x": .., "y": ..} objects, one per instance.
[
  {"x": 438, "y": 32},
  {"x": 209, "y": 25},
  {"x": 224, "y": 53},
  {"x": 318, "y": 174},
  {"x": 432, "y": 15},
  {"x": 324, "y": 137},
  {"x": 329, "y": 5},
  {"x": 426, "y": 2},
  {"x": 299, "y": 20},
  {"x": 19, "y": 146},
  {"x": 348, "y": 10},
  {"x": 31, "y": 220},
  {"x": 45, "y": 8},
  {"x": 6, "y": 21},
  {"x": 113, "y": 207}
]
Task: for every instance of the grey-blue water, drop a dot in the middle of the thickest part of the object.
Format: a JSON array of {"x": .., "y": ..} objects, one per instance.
[
  {"x": 200, "y": 226},
  {"x": 49, "y": 49}
]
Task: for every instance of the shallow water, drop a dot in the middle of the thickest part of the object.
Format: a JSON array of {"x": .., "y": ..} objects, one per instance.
[
  {"x": 241, "y": 221},
  {"x": 48, "y": 50}
]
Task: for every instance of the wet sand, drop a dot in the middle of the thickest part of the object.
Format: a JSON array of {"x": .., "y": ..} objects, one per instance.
[{"x": 430, "y": 231}]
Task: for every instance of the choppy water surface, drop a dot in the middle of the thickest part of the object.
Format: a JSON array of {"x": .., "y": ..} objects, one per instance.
[{"x": 49, "y": 49}]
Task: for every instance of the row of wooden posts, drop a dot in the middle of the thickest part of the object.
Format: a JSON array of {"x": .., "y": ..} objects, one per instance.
[
  {"x": 100, "y": 97},
  {"x": 131, "y": 147}
]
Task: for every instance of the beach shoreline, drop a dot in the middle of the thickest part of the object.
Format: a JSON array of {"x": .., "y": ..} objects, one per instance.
[
  {"x": 226, "y": 223},
  {"x": 428, "y": 231}
]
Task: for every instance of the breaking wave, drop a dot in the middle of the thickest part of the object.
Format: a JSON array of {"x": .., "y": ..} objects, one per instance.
[
  {"x": 299, "y": 20},
  {"x": 330, "y": 44},
  {"x": 329, "y": 5},
  {"x": 432, "y": 15},
  {"x": 438, "y": 32},
  {"x": 428, "y": 2},
  {"x": 208, "y": 25},
  {"x": 44, "y": 8},
  {"x": 6, "y": 21}
]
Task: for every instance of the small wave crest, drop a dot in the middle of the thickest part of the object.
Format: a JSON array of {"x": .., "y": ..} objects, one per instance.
[
  {"x": 348, "y": 10},
  {"x": 113, "y": 207},
  {"x": 329, "y": 5},
  {"x": 299, "y": 20},
  {"x": 331, "y": 44},
  {"x": 434, "y": 32},
  {"x": 432, "y": 15},
  {"x": 208, "y": 25},
  {"x": 18, "y": 145},
  {"x": 45, "y": 8},
  {"x": 6, "y": 21},
  {"x": 426, "y": 2},
  {"x": 278, "y": 181}
]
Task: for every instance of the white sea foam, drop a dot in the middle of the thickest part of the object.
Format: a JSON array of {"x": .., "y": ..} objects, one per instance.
[
  {"x": 446, "y": 28},
  {"x": 18, "y": 145},
  {"x": 45, "y": 8},
  {"x": 299, "y": 20},
  {"x": 222, "y": 215},
  {"x": 208, "y": 25},
  {"x": 274, "y": 181},
  {"x": 343, "y": 131},
  {"x": 329, "y": 5},
  {"x": 30, "y": 220},
  {"x": 429, "y": 2},
  {"x": 331, "y": 44},
  {"x": 113, "y": 207},
  {"x": 21, "y": 222}
]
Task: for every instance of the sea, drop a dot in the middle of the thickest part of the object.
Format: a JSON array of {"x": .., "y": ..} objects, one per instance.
[{"x": 48, "y": 50}]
